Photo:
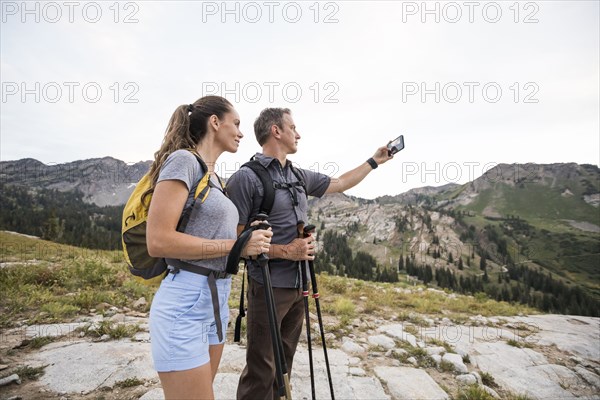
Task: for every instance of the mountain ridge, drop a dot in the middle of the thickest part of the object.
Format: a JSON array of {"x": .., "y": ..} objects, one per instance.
[{"x": 122, "y": 175}]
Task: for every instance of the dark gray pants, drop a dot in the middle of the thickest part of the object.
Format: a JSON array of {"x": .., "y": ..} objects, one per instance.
[{"x": 257, "y": 381}]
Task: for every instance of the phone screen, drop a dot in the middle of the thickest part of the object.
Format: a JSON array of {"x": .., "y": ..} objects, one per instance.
[{"x": 396, "y": 145}]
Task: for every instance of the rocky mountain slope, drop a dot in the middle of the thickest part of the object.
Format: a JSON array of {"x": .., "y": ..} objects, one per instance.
[
  {"x": 511, "y": 227},
  {"x": 103, "y": 181}
]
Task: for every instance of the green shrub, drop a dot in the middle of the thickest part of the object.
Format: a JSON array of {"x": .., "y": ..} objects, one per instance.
[{"x": 474, "y": 392}]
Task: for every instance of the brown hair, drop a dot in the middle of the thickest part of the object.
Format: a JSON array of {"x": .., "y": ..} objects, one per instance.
[
  {"x": 267, "y": 118},
  {"x": 187, "y": 127}
]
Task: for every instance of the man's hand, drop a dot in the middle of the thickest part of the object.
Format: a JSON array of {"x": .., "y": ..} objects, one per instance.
[
  {"x": 301, "y": 249},
  {"x": 381, "y": 155}
]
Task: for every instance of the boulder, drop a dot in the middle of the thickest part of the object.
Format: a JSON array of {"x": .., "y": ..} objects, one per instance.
[
  {"x": 466, "y": 379},
  {"x": 383, "y": 341},
  {"x": 396, "y": 331},
  {"x": 406, "y": 383},
  {"x": 456, "y": 361},
  {"x": 351, "y": 347},
  {"x": 435, "y": 350}
]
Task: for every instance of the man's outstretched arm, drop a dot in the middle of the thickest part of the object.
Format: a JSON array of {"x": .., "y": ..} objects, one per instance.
[{"x": 355, "y": 176}]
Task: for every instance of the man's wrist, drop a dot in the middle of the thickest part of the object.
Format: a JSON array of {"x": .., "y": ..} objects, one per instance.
[{"x": 371, "y": 161}]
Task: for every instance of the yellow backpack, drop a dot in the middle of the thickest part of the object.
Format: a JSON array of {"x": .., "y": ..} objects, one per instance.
[{"x": 133, "y": 228}]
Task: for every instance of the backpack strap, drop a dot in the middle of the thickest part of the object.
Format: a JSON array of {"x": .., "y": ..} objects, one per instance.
[
  {"x": 267, "y": 182},
  {"x": 202, "y": 190},
  {"x": 301, "y": 182}
]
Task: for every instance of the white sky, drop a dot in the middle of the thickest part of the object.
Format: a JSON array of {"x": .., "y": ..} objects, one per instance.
[{"x": 371, "y": 57}]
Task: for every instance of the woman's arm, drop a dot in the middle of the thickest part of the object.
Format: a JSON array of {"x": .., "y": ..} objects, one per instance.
[{"x": 168, "y": 201}]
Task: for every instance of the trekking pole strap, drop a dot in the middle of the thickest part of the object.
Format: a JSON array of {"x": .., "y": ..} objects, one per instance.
[{"x": 237, "y": 333}]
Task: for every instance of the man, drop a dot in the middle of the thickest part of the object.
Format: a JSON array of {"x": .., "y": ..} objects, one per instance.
[{"x": 276, "y": 133}]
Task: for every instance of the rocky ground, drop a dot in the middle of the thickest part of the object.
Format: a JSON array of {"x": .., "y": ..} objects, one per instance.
[{"x": 537, "y": 357}]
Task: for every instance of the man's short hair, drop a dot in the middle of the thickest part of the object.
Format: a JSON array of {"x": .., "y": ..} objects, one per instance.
[{"x": 267, "y": 118}]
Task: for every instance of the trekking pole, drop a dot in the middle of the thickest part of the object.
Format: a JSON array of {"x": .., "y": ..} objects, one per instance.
[
  {"x": 306, "y": 233},
  {"x": 283, "y": 380},
  {"x": 313, "y": 278}
]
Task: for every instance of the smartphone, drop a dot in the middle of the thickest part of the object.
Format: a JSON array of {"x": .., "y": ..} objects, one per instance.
[{"x": 396, "y": 145}]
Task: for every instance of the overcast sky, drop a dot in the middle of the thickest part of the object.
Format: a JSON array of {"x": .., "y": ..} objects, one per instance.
[{"x": 468, "y": 84}]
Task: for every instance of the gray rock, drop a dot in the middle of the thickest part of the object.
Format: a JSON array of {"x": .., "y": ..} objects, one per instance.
[
  {"x": 117, "y": 318},
  {"x": 477, "y": 376},
  {"x": 572, "y": 334},
  {"x": 491, "y": 392},
  {"x": 357, "y": 371},
  {"x": 352, "y": 348},
  {"x": 523, "y": 371},
  {"x": 466, "y": 379},
  {"x": 588, "y": 376},
  {"x": 412, "y": 360},
  {"x": 140, "y": 303},
  {"x": 437, "y": 359},
  {"x": 399, "y": 352},
  {"x": 365, "y": 388},
  {"x": 396, "y": 331},
  {"x": 225, "y": 386},
  {"x": 141, "y": 337},
  {"x": 353, "y": 361},
  {"x": 53, "y": 330},
  {"x": 383, "y": 341},
  {"x": 14, "y": 378},
  {"x": 79, "y": 366},
  {"x": 435, "y": 350},
  {"x": 456, "y": 361},
  {"x": 410, "y": 383},
  {"x": 154, "y": 394}
]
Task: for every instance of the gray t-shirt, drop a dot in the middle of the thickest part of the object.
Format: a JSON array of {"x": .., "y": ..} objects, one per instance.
[
  {"x": 216, "y": 218},
  {"x": 246, "y": 191}
]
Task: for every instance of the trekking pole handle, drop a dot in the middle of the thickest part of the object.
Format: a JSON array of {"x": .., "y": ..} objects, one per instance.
[
  {"x": 308, "y": 230},
  {"x": 263, "y": 224},
  {"x": 263, "y": 218}
]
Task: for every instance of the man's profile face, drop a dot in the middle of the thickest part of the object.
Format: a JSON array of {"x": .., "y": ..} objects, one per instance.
[{"x": 289, "y": 135}]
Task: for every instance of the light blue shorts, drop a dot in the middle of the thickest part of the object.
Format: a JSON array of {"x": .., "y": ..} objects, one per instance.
[{"x": 182, "y": 321}]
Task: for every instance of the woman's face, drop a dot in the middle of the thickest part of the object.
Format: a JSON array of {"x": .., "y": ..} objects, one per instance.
[{"x": 228, "y": 132}]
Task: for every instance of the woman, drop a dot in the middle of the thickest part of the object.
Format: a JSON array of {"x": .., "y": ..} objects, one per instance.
[{"x": 185, "y": 346}]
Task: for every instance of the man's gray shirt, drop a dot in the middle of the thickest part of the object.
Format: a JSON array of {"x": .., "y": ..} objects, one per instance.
[{"x": 246, "y": 192}]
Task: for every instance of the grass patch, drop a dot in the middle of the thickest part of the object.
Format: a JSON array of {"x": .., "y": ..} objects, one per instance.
[
  {"x": 440, "y": 343},
  {"x": 343, "y": 307},
  {"x": 335, "y": 284},
  {"x": 488, "y": 380},
  {"x": 63, "y": 282},
  {"x": 58, "y": 311},
  {"x": 424, "y": 360},
  {"x": 114, "y": 330},
  {"x": 518, "y": 343},
  {"x": 129, "y": 382},
  {"x": 446, "y": 366},
  {"x": 474, "y": 392},
  {"x": 29, "y": 373},
  {"x": 512, "y": 396},
  {"x": 40, "y": 341}
]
